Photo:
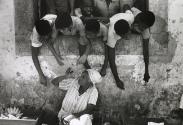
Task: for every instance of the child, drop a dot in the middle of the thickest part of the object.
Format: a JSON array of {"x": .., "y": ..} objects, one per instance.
[
  {"x": 45, "y": 33},
  {"x": 70, "y": 26},
  {"x": 119, "y": 25},
  {"x": 96, "y": 29},
  {"x": 143, "y": 21}
]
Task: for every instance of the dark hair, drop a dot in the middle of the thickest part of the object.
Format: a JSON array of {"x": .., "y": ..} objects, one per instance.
[
  {"x": 63, "y": 20},
  {"x": 92, "y": 25},
  {"x": 126, "y": 7},
  {"x": 43, "y": 27},
  {"x": 147, "y": 18},
  {"x": 121, "y": 27}
]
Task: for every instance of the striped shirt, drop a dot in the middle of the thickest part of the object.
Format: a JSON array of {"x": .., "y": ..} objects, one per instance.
[{"x": 75, "y": 103}]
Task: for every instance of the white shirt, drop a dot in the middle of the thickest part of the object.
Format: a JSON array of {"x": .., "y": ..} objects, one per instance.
[
  {"x": 112, "y": 36},
  {"x": 77, "y": 27},
  {"x": 75, "y": 103},
  {"x": 35, "y": 36}
]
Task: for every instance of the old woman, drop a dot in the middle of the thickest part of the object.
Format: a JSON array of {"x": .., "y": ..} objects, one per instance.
[{"x": 80, "y": 99}]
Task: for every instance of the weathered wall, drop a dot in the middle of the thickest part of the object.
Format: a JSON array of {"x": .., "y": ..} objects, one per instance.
[
  {"x": 19, "y": 79},
  {"x": 159, "y": 45}
]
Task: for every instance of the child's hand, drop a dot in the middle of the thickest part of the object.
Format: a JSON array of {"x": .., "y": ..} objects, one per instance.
[
  {"x": 43, "y": 80},
  {"x": 146, "y": 77},
  {"x": 82, "y": 59},
  {"x": 120, "y": 84}
]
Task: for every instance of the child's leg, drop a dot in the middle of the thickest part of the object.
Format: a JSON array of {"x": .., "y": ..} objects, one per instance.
[
  {"x": 82, "y": 49},
  {"x": 106, "y": 60}
]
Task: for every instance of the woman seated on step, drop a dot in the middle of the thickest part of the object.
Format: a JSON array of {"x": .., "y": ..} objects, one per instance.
[
  {"x": 78, "y": 103},
  {"x": 80, "y": 99}
]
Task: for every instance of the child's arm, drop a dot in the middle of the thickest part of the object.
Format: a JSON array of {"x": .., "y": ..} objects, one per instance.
[
  {"x": 83, "y": 41},
  {"x": 83, "y": 57},
  {"x": 111, "y": 55},
  {"x": 52, "y": 49},
  {"x": 35, "y": 52},
  {"x": 106, "y": 60},
  {"x": 146, "y": 59}
]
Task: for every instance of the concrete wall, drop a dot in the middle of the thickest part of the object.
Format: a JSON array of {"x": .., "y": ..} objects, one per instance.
[
  {"x": 19, "y": 79},
  {"x": 159, "y": 45}
]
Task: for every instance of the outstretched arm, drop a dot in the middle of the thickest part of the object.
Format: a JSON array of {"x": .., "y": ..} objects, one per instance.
[
  {"x": 52, "y": 49},
  {"x": 35, "y": 52},
  {"x": 111, "y": 56},
  {"x": 106, "y": 60},
  {"x": 68, "y": 74},
  {"x": 84, "y": 56},
  {"x": 58, "y": 79},
  {"x": 146, "y": 59}
]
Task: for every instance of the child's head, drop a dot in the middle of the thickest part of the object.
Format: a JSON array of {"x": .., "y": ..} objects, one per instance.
[
  {"x": 144, "y": 20},
  {"x": 92, "y": 28},
  {"x": 126, "y": 7},
  {"x": 63, "y": 21},
  {"x": 43, "y": 27},
  {"x": 121, "y": 27}
]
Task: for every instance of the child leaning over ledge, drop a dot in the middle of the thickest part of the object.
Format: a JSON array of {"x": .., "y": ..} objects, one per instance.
[
  {"x": 119, "y": 26},
  {"x": 71, "y": 26},
  {"x": 44, "y": 33}
]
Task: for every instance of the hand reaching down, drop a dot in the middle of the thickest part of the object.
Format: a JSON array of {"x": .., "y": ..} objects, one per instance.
[
  {"x": 82, "y": 59},
  {"x": 146, "y": 77},
  {"x": 120, "y": 84},
  {"x": 43, "y": 80},
  {"x": 59, "y": 61}
]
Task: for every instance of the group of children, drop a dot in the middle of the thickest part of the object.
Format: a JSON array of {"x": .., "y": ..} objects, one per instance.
[{"x": 49, "y": 27}]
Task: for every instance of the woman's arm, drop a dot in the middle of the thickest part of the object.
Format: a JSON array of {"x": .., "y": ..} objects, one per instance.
[
  {"x": 89, "y": 110},
  {"x": 58, "y": 79}
]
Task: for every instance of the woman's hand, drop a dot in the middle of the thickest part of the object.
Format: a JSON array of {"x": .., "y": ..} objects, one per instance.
[{"x": 69, "y": 72}]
